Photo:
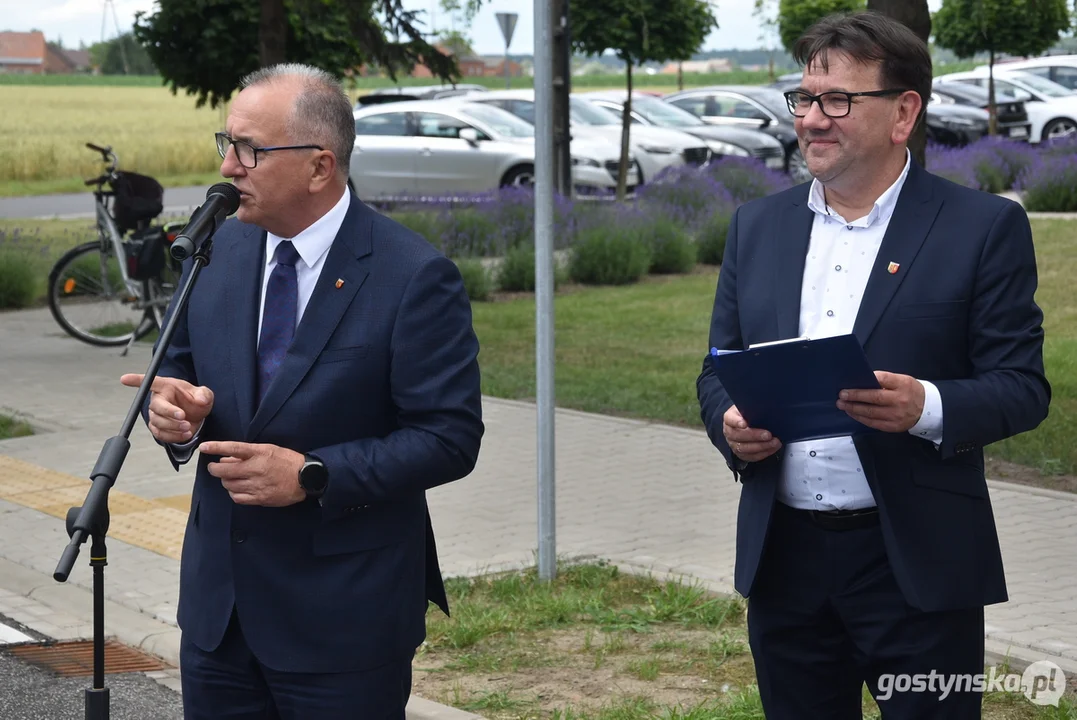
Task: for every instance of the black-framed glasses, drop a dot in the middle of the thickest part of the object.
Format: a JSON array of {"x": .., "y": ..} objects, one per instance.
[
  {"x": 247, "y": 154},
  {"x": 834, "y": 104}
]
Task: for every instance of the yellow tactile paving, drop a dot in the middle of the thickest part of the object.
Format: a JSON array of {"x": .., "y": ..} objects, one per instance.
[
  {"x": 155, "y": 525},
  {"x": 180, "y": 502}
]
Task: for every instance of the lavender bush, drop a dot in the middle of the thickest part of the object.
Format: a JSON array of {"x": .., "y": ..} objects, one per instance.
[
  {"x": 20, "y": 269},
  {"x": 746, "y": 178},
  {"x": 991, "y": 164},
  {"x": 1050, "y": 184},
  {"x": 609, "y": 248},
  {"x": 476, "y": 278}
]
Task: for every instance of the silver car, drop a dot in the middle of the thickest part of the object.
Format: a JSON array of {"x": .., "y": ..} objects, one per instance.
[
  {"x": 655, "y": 148},
  {"x": 439, "y": 147}
]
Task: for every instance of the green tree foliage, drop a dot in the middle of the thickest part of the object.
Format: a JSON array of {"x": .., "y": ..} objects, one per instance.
[
  {"x": 205, "y": 47},
  {"x": 796, "y": 16},
  {"x": 122, "y": 55},
  {"x": 1015, "y": 27},
  {"x": 639, "y": 31}
]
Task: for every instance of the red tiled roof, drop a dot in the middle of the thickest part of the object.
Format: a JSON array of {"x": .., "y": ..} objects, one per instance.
[{"x": 20, "y": 46}]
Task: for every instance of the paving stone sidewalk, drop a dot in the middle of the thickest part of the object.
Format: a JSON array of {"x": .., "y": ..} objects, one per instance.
[{"x": 647, "y": 496}]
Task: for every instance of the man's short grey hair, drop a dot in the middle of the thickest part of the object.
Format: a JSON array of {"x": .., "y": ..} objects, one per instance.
[{"x": 322, "y": 114}]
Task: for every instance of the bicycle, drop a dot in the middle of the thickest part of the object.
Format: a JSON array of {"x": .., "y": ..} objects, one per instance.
[{"x": 114, "y": 290}]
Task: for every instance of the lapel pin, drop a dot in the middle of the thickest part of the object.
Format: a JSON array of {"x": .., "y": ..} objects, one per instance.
[
  {"x": 340, "y": 283},
  {"x": 891, "y": 268}
]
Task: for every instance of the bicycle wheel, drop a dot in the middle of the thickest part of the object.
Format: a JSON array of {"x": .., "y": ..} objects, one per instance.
[{"x": 88, "y": 298}]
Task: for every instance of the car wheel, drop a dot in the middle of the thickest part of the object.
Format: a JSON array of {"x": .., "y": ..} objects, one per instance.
[
  {"x": 1059, "y": 128},
  {"x": 519, "y": 176},
  {"x": 797, "y": 167}
]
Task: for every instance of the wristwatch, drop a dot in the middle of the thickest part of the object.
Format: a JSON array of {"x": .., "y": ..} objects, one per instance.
[{"x": 313, "y": 477}]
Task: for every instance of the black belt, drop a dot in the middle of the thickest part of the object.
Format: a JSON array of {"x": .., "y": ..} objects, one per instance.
[{"x": 836, "y": 519}]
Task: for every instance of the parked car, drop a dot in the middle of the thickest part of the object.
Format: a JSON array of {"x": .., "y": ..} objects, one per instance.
[
  {"x": 417, "y": 92},
  {"x": 1051, "y": 108},
  {"x": 1011, "y": 115},
  {"x": 655, "y": 149},
  {"x": 437, "y": 147},
  {"x": 756, "y": 107},
  {"x": 648, "y": 110},
  {"x": 1061, "y": 69},
  {"x": 955, "y": 125}
]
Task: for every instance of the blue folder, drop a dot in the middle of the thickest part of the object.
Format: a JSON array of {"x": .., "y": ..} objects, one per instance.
[{"x": 791, "y": 388}]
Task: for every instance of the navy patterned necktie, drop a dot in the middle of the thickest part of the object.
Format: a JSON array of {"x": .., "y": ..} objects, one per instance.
[{"x": 278, "y": 316}]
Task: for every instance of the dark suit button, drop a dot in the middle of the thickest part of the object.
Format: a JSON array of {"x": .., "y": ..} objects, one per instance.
[{"x": 238, "y": 536}]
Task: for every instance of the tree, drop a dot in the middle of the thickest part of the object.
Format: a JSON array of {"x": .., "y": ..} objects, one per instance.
[
  {"x": 206, "y": 47},
  {"x": 766, "y": 11},
  {"x": 1015, "y": 27},
  {"x": 796, "y": 16},
  {"x": 639, "y": 31},
  {"x": 122, "y": 55},
  {"x": 915, "y": 15}
]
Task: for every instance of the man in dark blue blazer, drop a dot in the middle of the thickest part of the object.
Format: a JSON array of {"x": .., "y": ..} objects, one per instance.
[
  {"x": 326, "y": 372},
  {"x": 869, "y": 557}
]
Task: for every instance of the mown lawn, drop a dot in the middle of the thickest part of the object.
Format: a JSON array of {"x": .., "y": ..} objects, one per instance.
[{"x": 598, "y": 644}]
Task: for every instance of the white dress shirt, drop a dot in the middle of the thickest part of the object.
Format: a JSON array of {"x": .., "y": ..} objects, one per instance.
[
  {"x": 826, "y": 474},
  {"x": 312, "y": 244}
]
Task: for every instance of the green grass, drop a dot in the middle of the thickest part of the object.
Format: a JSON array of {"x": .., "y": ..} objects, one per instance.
[
  {"x": 599, "y": 644},
  {"x": 636, "y": 350},
  {"x": 13, "y": 427}
]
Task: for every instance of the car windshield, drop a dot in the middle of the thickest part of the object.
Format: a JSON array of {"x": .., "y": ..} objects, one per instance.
[
  {"x": 501, "y": 122},
  {"x": 586, "y": 113},
  {"x": 771, "y": 99},
  {"x": 1042, "y": 85},
  {"x": 664, "y": 114}
]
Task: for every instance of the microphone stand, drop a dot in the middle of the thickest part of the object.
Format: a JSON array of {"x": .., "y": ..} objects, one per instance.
[{"x": 92, "y": 519}]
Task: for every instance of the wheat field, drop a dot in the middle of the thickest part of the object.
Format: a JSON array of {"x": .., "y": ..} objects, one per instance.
[{"x": 46, "y": 128}]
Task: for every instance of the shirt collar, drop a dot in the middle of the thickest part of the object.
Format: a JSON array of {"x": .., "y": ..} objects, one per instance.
[
  {"x": 314, "y": 241},
  {"x": 880, "y": 211}
]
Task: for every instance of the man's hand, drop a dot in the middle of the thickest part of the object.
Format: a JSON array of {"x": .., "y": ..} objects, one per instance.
[
  {"x": 177, "y": 408},
  {"x": 257, "y": 474},
  {"x": 749, "y": 444},
  {"x": 894, "y": 408}
]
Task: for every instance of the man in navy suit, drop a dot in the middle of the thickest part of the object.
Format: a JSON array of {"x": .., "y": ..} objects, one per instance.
[
  {"x": 873, "y": 556},
  {"x": 325, "y": 369}
]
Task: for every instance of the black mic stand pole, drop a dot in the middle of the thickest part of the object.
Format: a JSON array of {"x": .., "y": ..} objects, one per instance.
[{"x": 92, "y": 519}]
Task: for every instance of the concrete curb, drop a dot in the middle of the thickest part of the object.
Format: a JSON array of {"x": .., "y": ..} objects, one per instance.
[{"x": 136, "y": 629}]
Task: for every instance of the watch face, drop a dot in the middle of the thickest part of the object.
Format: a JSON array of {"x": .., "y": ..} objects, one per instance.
[{"x": 313, "y": 477}]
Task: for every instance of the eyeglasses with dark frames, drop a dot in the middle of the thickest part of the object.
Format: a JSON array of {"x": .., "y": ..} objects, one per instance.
[
  {"x": 247, "y": 154},
  {"x": 834, "y": 104}
]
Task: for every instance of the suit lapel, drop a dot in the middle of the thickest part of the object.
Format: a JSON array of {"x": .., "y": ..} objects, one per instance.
[
  {"x": 913, "y": 217},
  {"x": 324, "y": 312},
  {"x": 244, "y": 275},
  {"x": 794, "y": 233}
]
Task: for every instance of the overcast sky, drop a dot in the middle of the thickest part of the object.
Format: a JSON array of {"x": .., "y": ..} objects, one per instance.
[{"x": 75, "y": 20}]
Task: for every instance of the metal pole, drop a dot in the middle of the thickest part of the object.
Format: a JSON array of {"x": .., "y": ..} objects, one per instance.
[
  {"x": 544, "y": 356},
  {"x": 508, "y": 83}
]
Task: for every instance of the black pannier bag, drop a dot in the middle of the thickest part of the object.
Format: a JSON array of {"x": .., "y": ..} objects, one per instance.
[
  {"x": 145, "y": 253},
  {"x": 137, "y": 200}
]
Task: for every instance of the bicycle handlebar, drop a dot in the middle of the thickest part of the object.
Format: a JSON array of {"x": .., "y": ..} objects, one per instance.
[{"x": 106, "y": 156}]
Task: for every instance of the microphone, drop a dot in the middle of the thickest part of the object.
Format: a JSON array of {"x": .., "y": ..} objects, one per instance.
[{"x": 221, "y": 201}]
